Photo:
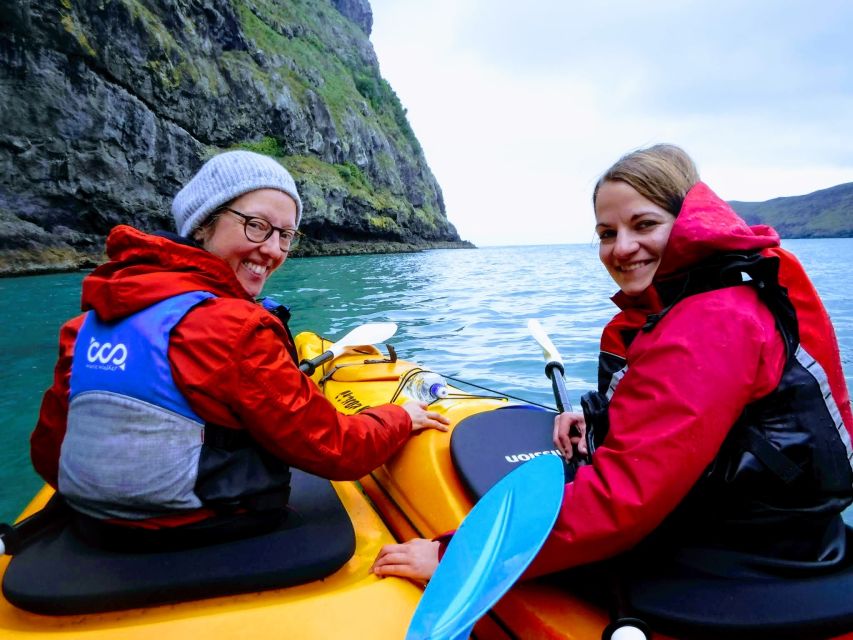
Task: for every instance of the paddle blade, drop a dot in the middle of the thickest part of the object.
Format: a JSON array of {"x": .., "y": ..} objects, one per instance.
[
  {"x": 492, "y": 548},
  {"x": 548, "y": 348},
  {"x": 370, "y": 333}
]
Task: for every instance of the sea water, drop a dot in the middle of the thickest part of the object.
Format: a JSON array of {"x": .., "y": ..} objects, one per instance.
[{"x": 461, "y": 313}]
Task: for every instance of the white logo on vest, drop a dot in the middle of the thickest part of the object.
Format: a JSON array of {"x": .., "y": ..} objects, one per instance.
[{"x": 106, "y": 356}]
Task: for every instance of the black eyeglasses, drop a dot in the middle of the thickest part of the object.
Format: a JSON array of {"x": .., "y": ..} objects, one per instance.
[{"x": 259, "y": 230}]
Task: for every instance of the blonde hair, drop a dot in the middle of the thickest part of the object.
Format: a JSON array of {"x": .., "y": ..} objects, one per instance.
[{"x": 662, "y": 174}]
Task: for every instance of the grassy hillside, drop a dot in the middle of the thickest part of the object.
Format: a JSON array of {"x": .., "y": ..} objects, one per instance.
[{"x": 827, "y": 213}]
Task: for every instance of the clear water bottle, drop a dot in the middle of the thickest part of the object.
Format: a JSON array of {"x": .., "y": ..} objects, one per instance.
[{"x": 425, "y": 386}]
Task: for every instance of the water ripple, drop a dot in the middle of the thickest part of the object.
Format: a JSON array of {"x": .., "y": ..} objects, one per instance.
[{"x": 463, "y": 313}]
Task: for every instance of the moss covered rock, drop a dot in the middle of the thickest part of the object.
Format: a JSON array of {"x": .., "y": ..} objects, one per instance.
[{"x": 109, "y": 106}]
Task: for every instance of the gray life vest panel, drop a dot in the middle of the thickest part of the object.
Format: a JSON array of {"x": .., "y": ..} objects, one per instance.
[{"x": 134, "y": 448}]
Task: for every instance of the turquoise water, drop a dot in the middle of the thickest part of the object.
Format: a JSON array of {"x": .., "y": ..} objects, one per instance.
[{"x": 462, "y": 313}]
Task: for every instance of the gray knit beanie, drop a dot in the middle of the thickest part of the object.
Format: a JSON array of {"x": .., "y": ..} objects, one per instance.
[{"x": 225, "y": 177}]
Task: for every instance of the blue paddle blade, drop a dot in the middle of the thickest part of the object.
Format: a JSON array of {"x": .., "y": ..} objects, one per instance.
[{"x": 493, "y": 546}]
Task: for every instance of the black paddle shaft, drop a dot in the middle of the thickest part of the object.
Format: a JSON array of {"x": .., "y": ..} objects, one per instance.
[
  {"x": 308, "y": 367},
  {"x": 554, "y": 370},
  {"x": 15, "y": 537}
]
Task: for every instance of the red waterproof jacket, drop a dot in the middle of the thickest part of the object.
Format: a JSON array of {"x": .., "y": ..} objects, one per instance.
[
  {"x": 229, "y": 357},
  {"x": 686, "y": 385}
]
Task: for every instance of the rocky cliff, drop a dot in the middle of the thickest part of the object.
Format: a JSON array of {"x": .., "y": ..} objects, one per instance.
[{"x": 108, "y": 106}]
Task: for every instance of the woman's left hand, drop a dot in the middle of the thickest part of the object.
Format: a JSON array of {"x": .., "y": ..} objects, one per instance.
[
  {"x": 416, "y": 560},
  {"x": 423, "y": 418},
  {"x": 570, "y": 432}
]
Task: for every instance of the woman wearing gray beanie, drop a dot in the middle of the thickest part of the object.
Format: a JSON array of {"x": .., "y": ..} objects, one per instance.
[
  {"x": 228, "y": 185},
  {"x": 177, "y": 396}
]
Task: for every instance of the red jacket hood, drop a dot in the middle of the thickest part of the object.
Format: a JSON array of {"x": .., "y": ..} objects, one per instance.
[
  {"x": 707, "y": 225},
  {"x": 144, "y": 269}
]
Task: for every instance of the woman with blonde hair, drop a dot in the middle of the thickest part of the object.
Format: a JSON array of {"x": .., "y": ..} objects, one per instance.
[{"x": 719, "y": 435}]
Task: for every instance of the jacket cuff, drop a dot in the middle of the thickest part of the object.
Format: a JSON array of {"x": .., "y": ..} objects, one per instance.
[{"x": 443, "y": 540}]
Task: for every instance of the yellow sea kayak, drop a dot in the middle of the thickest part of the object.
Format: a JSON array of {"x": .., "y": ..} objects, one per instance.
[
  {"x": 419, "y": 492},
  {"x": 426, "y": 489}
]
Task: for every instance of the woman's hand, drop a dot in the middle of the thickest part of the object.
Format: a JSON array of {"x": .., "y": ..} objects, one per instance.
[
  {"x": 422, "y": 418},
  {"x": 416, "y": 560},
  {"x": 570, "y": 432}
]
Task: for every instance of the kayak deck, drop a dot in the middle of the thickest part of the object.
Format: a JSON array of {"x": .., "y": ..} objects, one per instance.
[
  {"x": 420, "y": 492},
  {"x": 351, "y": 599}
]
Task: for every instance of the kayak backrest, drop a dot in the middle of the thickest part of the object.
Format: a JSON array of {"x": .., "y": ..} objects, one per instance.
[
  {"x": 59, "y": 574},
  {"x": 695, "y": 599},
  {"x": 486, "y": 446}
]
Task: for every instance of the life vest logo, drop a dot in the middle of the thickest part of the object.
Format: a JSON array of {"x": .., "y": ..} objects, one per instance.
[{"x": 106, "y": 356}]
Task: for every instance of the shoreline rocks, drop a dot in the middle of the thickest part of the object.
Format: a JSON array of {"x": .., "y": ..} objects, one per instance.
[{"x": 48, "y": 260}]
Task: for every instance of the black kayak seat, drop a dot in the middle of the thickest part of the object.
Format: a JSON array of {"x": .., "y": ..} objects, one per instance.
[
  {"x": 486, "y": 446},
  {"x": 697, "y": 605},
  {"x": 59, "y": 574}
]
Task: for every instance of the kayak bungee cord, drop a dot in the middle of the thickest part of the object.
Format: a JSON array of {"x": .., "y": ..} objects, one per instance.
[
  {"x": 378, "y": 332},
  {"x": 496, "y": 394},
  {"x": 406, "y": 379}
]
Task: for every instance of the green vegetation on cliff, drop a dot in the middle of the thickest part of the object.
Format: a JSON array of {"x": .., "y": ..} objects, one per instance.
[
  {"x": 827, "y": 213},
  {"x": 109, "y": 107}
]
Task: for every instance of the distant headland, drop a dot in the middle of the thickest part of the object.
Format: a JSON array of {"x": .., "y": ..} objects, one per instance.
[{"x": 827, "y": 213}]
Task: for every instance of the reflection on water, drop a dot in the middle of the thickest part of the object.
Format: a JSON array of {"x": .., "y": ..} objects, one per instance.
[{"x": 462, "y": 312}]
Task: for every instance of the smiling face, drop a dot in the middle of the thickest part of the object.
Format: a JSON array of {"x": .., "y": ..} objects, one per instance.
[
  {"x": 252, "y": 262},
  {"x": 633, "y": 233}
]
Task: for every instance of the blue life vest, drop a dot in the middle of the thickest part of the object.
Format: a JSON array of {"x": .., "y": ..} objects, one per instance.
[
  {"x": 130, "y": 356},
  {"x": 133, "y": 447}
]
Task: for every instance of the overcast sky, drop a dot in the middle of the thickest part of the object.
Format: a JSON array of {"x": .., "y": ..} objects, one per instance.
[{"x": 520, "y": 106}]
